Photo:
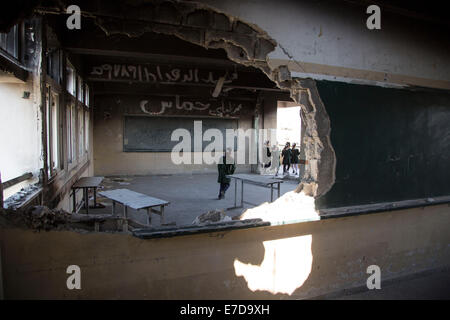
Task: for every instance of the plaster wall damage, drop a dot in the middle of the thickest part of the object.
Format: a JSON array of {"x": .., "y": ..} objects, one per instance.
[{"x": 267, "y": 253}]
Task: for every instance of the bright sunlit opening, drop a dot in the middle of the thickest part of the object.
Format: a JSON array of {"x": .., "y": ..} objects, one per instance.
[{"x": 286, "y": 266}]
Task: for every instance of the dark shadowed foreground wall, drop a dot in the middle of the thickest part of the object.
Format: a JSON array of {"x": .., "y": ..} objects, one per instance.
[
  {"x": 289, "y": 261},
  {"x": 390, "y": 144}
]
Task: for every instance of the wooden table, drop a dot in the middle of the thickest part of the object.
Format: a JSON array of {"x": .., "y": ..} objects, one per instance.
[
  {"x": 135, "y": 200},
  {"x": 262, "y": 181},
  {"x": 85, "y": 183}
]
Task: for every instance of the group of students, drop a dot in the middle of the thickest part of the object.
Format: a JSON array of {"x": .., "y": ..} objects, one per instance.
[{"x": 289, "y": 156}]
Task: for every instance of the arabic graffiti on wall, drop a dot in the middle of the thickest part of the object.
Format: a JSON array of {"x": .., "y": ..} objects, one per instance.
[
  {"x": 218, "y": 108},
  {"x": 157, "y": 73}
]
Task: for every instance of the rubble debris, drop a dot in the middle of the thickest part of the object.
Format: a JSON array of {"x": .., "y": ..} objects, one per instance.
[
  {"x": 35, "y": 217},
  {"x": 289, "y": 207},
  {"x": 211, "y": 217},
  {"x": 19, "y": 198},
  {"x": 42, "y": 218}
]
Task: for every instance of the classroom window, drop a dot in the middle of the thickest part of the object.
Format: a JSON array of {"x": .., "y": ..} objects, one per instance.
[
  {"x": 86, "y": 131},
  {"x": 48, "y": 123},
  {"x": 52, "y": 122},
  {"x": 86, "y": 95},
  {"x": 80, "y": 94},
  {"x": 70, "y": 118},
  {"x": 80, "y": 132},
  {"x": 70, "y": 79},
  {"x": 54, "y": 65},
  {"x": 73, "y": 131},
  {"x": 54, "y": 106},
  {"x": 69, "y": 133},
  {"x": 9, "y": 42}
]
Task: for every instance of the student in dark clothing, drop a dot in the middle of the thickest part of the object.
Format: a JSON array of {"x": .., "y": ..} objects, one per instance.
[
  {"x": 268, "y": 154},
  {"x": 287, "y": 156},
  {"x": 225, "y": 167},
  {"x": 294, "y": 160}
]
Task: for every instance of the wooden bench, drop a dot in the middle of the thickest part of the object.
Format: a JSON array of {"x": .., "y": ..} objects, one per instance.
[{"x": 137, "y": 201}]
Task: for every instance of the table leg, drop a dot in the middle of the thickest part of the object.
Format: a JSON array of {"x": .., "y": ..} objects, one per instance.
[
  {"x": 125, "y": 219},
  {"x": 235, "y": 192},
  {"x": 271, "y": 192},
  {"x": 162, "y": 214},
  {"x": 114, "y": 214},
  {"x": 279, "y": 189},
  {"x": 95, "y": 197},
  {"x": 242, "y": 193},
  {"x": 74, "y": 200},
  {"x": 86, "y": 200},
  {"x": 149, "y": 217}
]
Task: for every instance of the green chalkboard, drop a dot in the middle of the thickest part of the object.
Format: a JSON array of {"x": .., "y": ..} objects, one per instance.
[
  {"x": 390, "y": 144},
  {"x": 153, "y": 134}
]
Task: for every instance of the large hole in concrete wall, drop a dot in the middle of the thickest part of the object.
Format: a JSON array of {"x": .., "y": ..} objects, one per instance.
[{"x": 247, "y": 45}]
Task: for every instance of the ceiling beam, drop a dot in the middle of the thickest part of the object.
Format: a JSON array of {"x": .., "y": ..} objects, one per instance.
[
  {"x": 93, "y": 80},
  {"x": 157, "y": 58}
]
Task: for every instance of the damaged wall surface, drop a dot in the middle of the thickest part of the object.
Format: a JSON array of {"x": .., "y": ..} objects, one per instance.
[
  {"x": 312, "y": 259},
  {"x": 351, "y": 144},
  {"x": 331, "y": 41},
  {"x": 245, "y": 44},
  {"x": 251, "y": 40}
]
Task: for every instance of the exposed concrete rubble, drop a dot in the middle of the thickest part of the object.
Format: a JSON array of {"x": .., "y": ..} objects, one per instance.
[
  {"x": 42, "y": 218},
  {"x": 36, "y": 217},
  {"x": 211, "y": 217},
  {"x": 21, "y": 197}
]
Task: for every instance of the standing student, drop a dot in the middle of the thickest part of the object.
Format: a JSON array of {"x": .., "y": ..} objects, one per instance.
[
  {"x": 225, "y": 167},
  {"x": 295, "y": 159},
  {"x": 268, "y": 154},
  {"x": 275, "y": 163},
  {"x": 287, "y": 155}
]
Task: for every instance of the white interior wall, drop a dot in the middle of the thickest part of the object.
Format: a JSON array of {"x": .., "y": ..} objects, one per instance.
[{"x": 20, "y": 134}]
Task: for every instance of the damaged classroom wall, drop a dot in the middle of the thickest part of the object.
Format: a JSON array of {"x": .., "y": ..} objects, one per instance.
[
  {"x": 365, "y": 120},
  {"x": 239, "y": 263},
  {"x": 312, "y": 259},
  {"x": 21, "y": 118}
]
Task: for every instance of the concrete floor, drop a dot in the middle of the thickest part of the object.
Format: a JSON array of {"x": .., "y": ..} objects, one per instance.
[
  {"x": 429, "y": 285},
  {"x": 189, "y": 195},
  {"x": 434, "y": 286}
]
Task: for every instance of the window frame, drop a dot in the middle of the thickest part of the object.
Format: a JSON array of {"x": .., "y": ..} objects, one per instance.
[
  {"x": 72, "y": 75},
  {"x": 17, "y": 56}
]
